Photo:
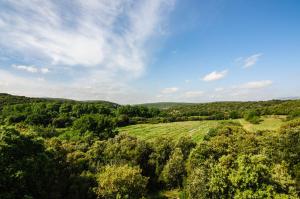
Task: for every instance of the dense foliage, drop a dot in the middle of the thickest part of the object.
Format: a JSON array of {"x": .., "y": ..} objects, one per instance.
[
  {"x": 51, "y": 148},
  {"x": 239, "y": 164},
  {"x": 61, "y": 113}
]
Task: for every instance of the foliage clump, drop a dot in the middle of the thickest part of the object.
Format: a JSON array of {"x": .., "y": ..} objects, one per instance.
[{"x": 121, "y": 182}]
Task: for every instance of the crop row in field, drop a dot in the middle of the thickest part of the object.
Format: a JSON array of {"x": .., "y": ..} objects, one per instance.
[{"x": 195, "y": 129}]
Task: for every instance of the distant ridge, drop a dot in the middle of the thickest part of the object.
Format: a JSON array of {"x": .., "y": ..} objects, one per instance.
[
  {"x": 289, "y": 98},
  {"x": 165, "y": 105},
  {"x": 8, "y": 99}
]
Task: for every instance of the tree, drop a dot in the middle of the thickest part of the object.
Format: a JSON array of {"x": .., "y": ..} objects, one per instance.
[
  {"x": 62, "y": 121},
  {"x": 233, "y": 115},
  {"x": 174, "y": 171},
  {"x": 121, "y": 182},
  {"x": 197, "y": 184},
  {"x": 101, "y": 126},
  {"x": 186, "y": 144},
  {"x": 27, "y": 170},
  {"x": 163, "y": 148},
  {"x": 252, "y": 117},
  {"x": 253, "y": 179},
  {"x": 65, "y": 108}
]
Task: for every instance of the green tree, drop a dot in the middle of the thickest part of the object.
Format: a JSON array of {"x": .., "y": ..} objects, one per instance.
[
  {"x": 101, "y": 126},
  {"x": 252, "y": 117},
  {"x": 121, "y": 182},
  {"x": 27, "y": 169},
  {"x": 186, "y": 144},
  {"x": 174, "y": 171},
  {"x": 197, "y": 185}
]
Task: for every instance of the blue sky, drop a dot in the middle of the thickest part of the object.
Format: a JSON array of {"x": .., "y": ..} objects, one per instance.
[{"x": 135, "y": 51}]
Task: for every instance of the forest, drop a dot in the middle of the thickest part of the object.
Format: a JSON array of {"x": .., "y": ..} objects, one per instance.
[{"x": 60, "y": 148}]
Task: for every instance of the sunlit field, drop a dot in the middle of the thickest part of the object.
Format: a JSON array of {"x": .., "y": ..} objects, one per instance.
[
  {"x": 267, "y": 123},
  {"x": 195, "y": 129}
]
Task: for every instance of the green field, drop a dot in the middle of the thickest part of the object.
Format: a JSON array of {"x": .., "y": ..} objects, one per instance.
[
  {"x": 195, "y": 129},
  {"x": 268, "y": 123}
]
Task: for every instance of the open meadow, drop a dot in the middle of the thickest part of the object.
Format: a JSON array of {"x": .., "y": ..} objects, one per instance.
[{"x": 195, "y": 129}]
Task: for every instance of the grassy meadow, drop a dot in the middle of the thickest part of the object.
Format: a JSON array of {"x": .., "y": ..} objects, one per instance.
[{"x": 195, "y": 129}]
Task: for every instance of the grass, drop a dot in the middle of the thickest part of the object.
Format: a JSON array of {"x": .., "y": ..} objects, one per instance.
[
  {"x": 195, "y": 129},
  {"x": 268, "y": 123}
]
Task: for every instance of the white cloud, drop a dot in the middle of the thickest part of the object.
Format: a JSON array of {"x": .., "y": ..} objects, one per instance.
[
  {"x": 83, "y": 89},
  {"x": 219, "y": 89},
  {"x": 169, "y": 90},
  {"x": 193, "y": 94},
  {"x": 256, "y": 84},
  {"x": 253, "y": 90},
  {"x": 102, "y": 45},
  {"x": 215, "y": 75},
  {"x": 31, "y": 69},
  {"x": 45, "y": 70},
  {"x": 88, "y": 33},
  {"x": 249, "y": 61}
]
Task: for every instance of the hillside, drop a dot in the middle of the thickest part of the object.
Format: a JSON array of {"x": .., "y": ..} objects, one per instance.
[{"x": 8, "y": 99}]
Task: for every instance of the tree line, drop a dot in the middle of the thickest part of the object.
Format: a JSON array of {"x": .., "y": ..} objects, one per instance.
[{"x": 62, "y": 113}]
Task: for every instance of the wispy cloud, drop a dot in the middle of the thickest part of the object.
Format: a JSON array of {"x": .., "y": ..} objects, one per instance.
[
  {"x": 253, "y": 90},
  {"x": 169, "y": 90},
  {"x": 31, "y": 69},
  {"x": 193, "y": 94},
  {"x": 215, "y": 75},
  {"x": 256, "y": 84},
  {"x": 90, "y": 36},
  {"x": 249, "y": 61},
  {"x": 44, "y": 70}
]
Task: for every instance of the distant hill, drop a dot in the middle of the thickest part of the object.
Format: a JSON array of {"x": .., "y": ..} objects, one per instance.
[
  {"x": 165, "y": 105},
  {"x": 8, "y": 99},
  {"x": 289, "y": 98},
  {"x": 180, "y": 105}
]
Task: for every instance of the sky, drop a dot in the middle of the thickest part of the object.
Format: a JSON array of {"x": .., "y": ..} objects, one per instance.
[{"x": 140, "y": 51}]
